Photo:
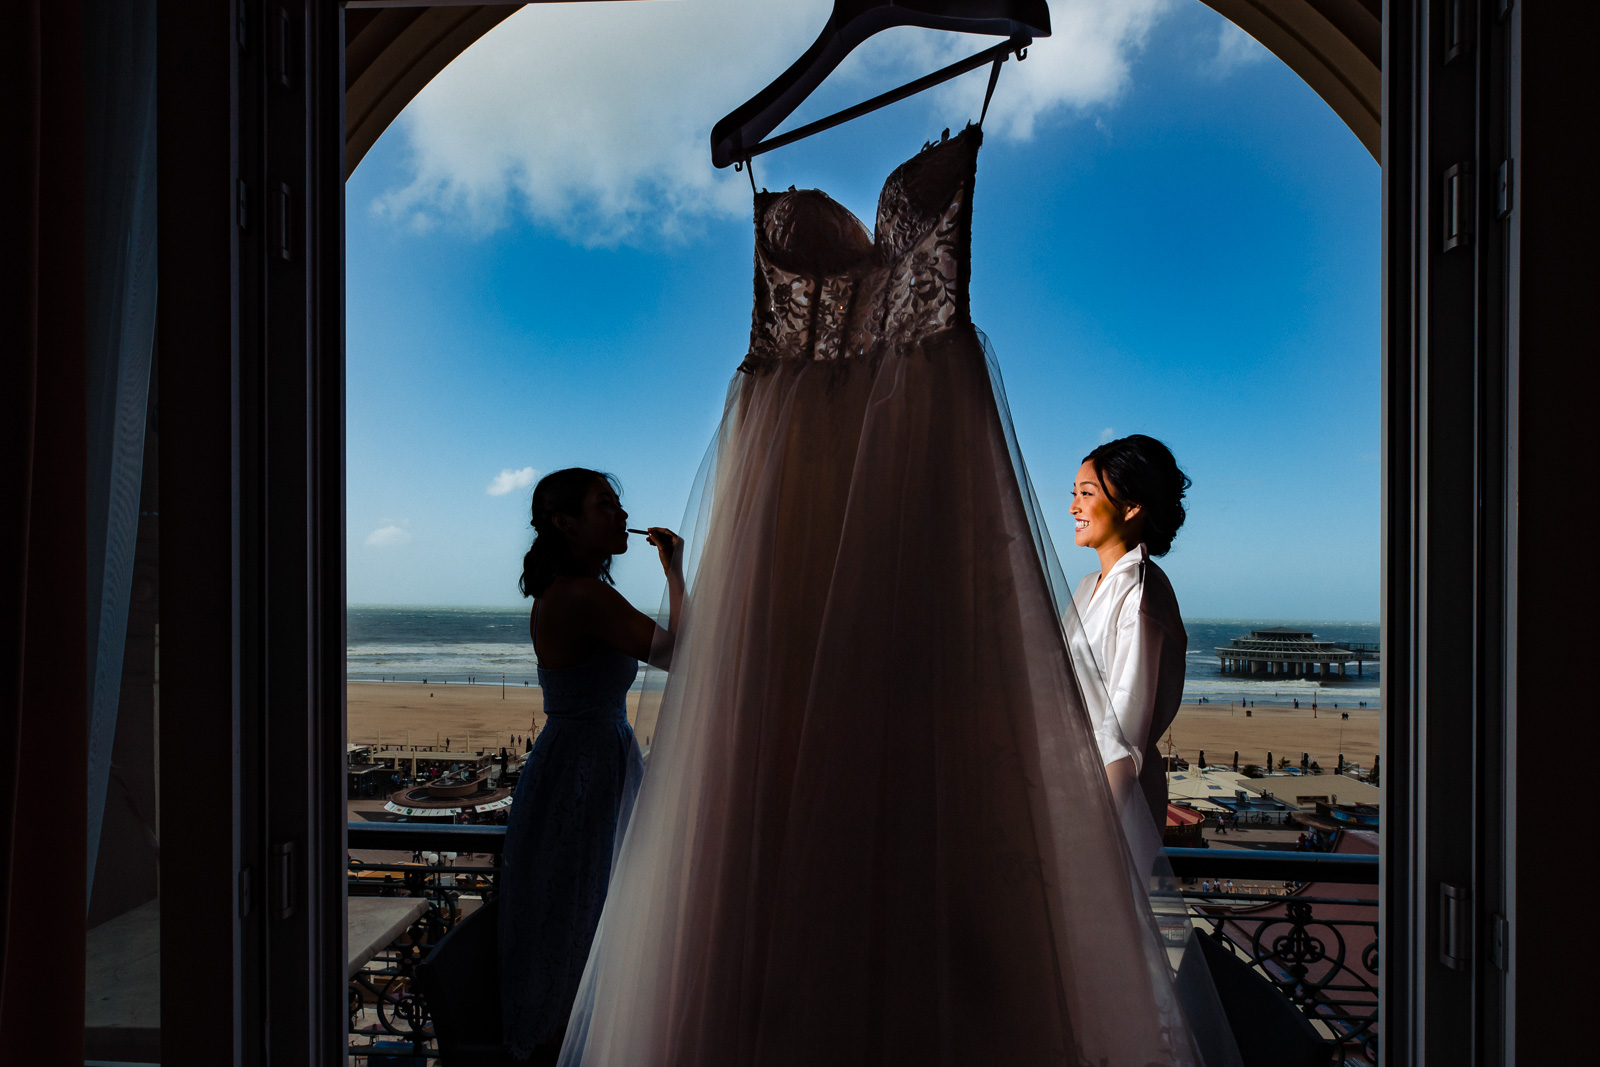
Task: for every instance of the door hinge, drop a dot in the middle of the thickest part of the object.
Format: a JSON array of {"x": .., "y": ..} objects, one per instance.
[
  {"x": 244, "y": 893},
  {"x": 282, "y": 880},
  {"x": 285, "y": 221},
  {"x": 1505, "y": 196},
  {"x": 1455, "y": 926},
  {"x": 1499, "y": 935},
  {"x": 1457, "y": 203},
  {"x": 1458, "y": 17},
  {"x": 286, "y": 49}
]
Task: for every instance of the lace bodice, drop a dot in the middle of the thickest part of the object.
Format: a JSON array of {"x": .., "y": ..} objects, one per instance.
[{"x": 825, "y": 289}]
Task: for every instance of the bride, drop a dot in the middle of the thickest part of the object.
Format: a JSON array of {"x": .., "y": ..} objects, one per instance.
[{"x": 876, "y": 828}]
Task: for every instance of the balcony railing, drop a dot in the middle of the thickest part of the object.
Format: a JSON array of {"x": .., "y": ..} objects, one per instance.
[{"x": 1319, "y": 951}]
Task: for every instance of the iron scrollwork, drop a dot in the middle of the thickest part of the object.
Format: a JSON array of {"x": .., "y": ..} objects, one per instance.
[{"x": 1326, "y": 967}]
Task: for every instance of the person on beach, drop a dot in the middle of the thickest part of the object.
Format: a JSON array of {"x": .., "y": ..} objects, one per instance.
[
  {"x": 583, "y": 770},
  {"x": 1127, "y": 501}
]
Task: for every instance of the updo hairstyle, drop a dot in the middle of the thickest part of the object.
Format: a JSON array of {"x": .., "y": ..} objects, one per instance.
[
  {"x": 558, "y": 493},
  {"x": 1140, "y": 470}
]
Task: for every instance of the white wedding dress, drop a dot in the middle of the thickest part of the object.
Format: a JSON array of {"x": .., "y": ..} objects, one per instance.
[{"x": 875, "y": 827}]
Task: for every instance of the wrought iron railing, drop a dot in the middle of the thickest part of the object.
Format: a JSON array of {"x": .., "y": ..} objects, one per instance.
[
  {"x": 402, "y": 1029},
  {"x": 1321, "y": 952}
]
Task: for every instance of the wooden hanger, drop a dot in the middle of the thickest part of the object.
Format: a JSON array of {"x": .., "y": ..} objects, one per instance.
[{"x": 738, "y": 136}]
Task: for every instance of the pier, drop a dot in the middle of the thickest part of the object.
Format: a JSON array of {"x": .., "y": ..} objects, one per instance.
[{"x": 1285, "y": 652}]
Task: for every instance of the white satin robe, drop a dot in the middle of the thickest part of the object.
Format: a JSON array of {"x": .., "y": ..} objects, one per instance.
[{"x": 1132, "y": 626}]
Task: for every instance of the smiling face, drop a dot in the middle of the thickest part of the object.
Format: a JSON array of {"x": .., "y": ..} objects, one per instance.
[
  {"x": 600, "y": 529},
  {"x": 1099, "y": 519}
]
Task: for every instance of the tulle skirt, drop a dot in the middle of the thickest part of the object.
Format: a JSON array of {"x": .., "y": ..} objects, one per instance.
[{"x": 876, "y": 827}]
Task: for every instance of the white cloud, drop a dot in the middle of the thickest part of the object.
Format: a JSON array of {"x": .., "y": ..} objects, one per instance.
[
  {"x": 593, "y": 119},
  {"x": 508, "y": 479},
  {"x": 1235, "y": 49},
  {"x": 392, "y": 532},
  {"x": 1107, "y": 434}
]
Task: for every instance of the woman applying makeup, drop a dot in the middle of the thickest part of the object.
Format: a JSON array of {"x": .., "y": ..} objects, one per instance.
[{"x": 581, "y": 777}]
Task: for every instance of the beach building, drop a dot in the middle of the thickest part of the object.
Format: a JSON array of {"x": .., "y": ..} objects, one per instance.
[
  {"x": 1287, "y": 652},
  {"x": 463, "y": 793},
  {"x": 423, "y": 760},
  {"x": 363, "y": 777},
  {"x": 1308, "y": 791},
  {"x": 1204, "y": 790},
  {"x": 1184, "y": 827}
]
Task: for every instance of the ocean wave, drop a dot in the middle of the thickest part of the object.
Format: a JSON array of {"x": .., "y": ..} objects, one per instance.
[{"x": 1286, "y": 685}]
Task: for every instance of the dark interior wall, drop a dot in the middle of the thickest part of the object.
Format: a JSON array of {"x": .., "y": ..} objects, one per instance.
[
  {"x": 43, "y": 714},
  {"x": 1557, "y": 592}
]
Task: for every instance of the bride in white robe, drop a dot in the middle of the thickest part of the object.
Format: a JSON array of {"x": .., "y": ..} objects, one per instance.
[{"x": 1128, "y": 609}]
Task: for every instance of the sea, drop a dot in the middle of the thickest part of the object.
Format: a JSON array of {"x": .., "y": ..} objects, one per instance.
[{"x": 485, "y": 646}]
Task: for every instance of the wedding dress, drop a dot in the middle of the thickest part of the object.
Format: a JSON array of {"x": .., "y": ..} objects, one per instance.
[{"x": 875, "y": 828}]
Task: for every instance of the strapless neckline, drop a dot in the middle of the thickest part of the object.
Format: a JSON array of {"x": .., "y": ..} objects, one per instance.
[{"x": 827, "y": 289}]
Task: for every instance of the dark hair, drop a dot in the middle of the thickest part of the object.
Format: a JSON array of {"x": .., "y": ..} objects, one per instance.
[
  {"x": 558, "y": 493},
  {"x": 1140, "y": 470}
]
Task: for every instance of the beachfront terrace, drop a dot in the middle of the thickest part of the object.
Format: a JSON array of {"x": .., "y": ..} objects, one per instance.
[{"x": 1301, "y": 928}]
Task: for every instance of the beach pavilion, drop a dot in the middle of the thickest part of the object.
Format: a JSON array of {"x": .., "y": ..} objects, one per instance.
[{"x": 1289, "y": 652}]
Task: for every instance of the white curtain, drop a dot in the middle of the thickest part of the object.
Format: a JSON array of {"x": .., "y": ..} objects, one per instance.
[{"x": 120, "y": 233}]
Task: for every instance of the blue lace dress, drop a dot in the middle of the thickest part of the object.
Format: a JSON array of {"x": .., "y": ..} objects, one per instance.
[{"x": 567, "y": 817}]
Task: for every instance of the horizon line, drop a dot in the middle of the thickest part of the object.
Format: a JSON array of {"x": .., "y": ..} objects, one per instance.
[{"x": 1186, "y": 617}]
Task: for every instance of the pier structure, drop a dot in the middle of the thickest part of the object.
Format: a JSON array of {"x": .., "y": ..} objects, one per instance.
[{"x": 1286, "y": 652}]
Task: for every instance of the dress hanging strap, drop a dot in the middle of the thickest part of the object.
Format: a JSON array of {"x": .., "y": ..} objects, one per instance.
[{"x": 988, "y": 94}]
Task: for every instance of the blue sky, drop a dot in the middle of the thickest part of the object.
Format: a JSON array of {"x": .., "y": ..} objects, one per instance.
[{"x": 1173, "y": 235}]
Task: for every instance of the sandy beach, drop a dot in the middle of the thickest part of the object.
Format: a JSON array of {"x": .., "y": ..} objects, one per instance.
[
  {"x": 471, "y": 716},
  {"x": 477, "y": 716},
  {"x": 1280, "y": 729}
]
